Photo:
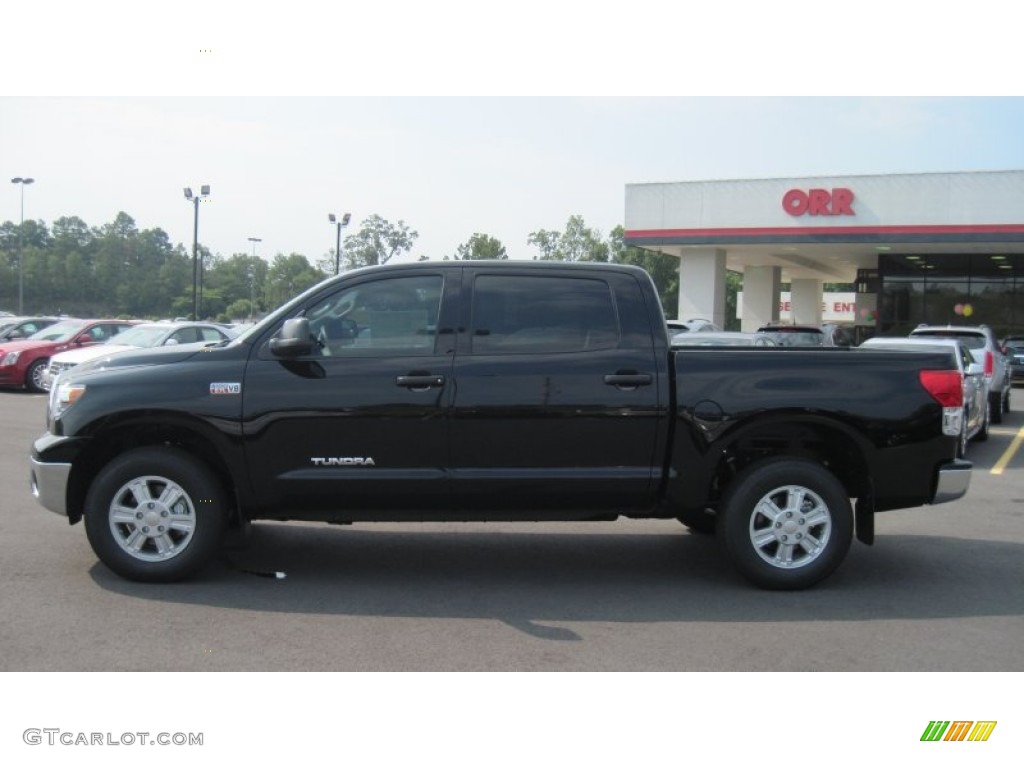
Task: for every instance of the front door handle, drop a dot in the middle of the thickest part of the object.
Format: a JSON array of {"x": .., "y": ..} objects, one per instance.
[
  {"x": 419, "y": 382},
  {"x": 628, "y": 379}
]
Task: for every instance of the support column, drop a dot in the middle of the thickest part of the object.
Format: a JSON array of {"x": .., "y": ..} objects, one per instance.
[
  {"x": 702, "y": 285},
  {"x": 805, "y": 300},
  {"x": 761, "y": 288}
]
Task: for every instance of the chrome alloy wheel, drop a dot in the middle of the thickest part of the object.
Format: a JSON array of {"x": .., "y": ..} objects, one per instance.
[
  {"x": 790, "y": 527},
  {"x": 152, "y": 518}
]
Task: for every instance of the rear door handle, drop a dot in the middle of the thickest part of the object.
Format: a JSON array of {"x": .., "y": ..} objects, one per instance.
[
  {"x": 630, "y": 380},
  {"x": 419, "y": 382}
]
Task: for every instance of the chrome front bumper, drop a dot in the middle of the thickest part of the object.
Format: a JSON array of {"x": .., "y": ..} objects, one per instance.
[
  {"x": 954, "y": 480},
  {"x": 49, "y": 484}
]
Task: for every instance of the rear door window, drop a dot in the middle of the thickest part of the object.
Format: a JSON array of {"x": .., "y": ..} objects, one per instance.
[{"x": 527, "y": 314}]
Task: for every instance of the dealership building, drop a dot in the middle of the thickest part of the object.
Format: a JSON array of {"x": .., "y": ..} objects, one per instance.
[{"x": 932, "y": 248}]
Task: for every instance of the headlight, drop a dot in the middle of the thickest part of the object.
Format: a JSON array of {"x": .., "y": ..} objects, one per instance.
[
  {"x": 63, "y": 396},
  {"x": 10, "y": 358}
]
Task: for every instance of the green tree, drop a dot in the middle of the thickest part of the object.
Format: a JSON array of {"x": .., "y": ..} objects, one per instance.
[
  {"x": 71, "y": 257},
  {"x": 733, "y": 285},
  {"x": 239, "y": 310},
  {"x": 240, "y": 278},
  {"x": 288, "y": 276},
  {"x": 577, "y": 243},
  {"x": 115, "y": 254},
  {"x": 71, "y": 233},
  {"x": 175, "y": 276},
  {"x": 663, "y": 268},
  {"x": 378, "y": 242},
  {"x": 480, "y": 246}
]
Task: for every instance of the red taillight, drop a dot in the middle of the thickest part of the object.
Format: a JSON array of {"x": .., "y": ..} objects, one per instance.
[
  {"x": 990, "y": 363},
  {"x": 947, "y": 387}
]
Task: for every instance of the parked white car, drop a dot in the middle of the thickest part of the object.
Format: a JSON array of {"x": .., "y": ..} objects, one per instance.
[
  {"x": 985, "y": 349},
  {"x": 977, "y": 408},
  {"x": 142, "y": 335}
]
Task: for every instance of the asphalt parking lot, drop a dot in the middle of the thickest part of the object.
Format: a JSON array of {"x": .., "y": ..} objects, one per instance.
[{"x": 939, "y": 591}]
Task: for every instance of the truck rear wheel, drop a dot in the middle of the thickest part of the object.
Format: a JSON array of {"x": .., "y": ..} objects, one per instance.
[
  {"x": 155, "y": 514},
  {"x": 786, "y": 523}
]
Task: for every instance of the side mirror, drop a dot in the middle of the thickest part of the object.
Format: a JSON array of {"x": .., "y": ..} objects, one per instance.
[
  {"x": 975, "y": 369},
  {"x": 171, "y": 342},
  {"x": 294, "y": 340}
]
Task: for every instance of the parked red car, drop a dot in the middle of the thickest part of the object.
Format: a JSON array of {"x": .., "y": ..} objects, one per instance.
[{"x": 23, "y": 362}]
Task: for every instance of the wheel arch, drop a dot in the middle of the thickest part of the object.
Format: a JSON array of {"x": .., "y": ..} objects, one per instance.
[
  {"x": 829, "y": 442},
  {"x": 132, "y": 431}
]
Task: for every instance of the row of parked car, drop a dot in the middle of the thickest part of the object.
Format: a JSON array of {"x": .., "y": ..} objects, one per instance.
[
  {"x": 988, "y": 367},
  {"x": 34, "y": 351},
  {"x": 983, "y": 368},
  {"x": 703, "y": 333}
]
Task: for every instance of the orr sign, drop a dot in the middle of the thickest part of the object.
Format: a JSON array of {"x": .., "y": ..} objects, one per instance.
[{"x": 818, "y": 202}]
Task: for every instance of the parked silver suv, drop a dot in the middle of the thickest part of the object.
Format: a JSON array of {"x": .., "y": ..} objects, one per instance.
[{"x": 985, "y": 349}]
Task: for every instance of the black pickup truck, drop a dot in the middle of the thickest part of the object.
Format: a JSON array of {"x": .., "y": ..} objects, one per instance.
[{"x": 495, "y": 391}]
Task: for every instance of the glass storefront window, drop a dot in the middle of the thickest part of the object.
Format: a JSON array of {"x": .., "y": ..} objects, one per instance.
[{"x": 955, "y": 289}]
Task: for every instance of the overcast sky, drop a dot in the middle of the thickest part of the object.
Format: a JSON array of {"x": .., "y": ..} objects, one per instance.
[
  {"x": 122, "y": 119},
  {"x": 450, "y": 167}
]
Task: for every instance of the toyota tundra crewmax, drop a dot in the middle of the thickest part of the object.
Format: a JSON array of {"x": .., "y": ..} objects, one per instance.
[{"x": 479, "y": 391}]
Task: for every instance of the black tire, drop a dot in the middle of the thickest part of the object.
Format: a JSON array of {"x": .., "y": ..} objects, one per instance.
[
  {"x": 786, "y": 508},
  {"x": 996, "y": 401},
  {"x": 34, "y": 376},
  {"x": 982, "y": 435},
  {"x": 1006, "y": 400},
  {"x": 155, "y": 514},
  {"x": 961, "y": 442}
]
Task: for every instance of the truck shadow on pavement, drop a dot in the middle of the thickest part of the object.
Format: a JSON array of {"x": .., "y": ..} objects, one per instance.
[{"x": 529, "y": 579}]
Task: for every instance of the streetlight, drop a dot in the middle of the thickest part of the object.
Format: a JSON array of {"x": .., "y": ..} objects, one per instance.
[
  {"x": 204, "y": 191},
  {"x": 337, "y": 251},
  {"x": 252, "y": 274},
  {"x": 21, "y": 251}
]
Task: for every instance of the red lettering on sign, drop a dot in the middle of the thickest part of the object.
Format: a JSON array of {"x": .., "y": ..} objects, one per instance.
[
  {"x": 820, "y": 199},
  {"x": 794, "y": 202},
  {"x": 819, "y": 202},
  {"x": 842, "y": 199}
]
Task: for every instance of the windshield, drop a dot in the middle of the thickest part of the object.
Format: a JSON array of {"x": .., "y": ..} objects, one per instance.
[
  {"x": 141, "y": 336},
  {"x": 63, "y": 331}
]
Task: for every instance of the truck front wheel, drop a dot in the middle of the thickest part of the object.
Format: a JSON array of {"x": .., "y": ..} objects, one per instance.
[
  {"x": 155, "y": 514},
  {"x": 786, "y": 523}
]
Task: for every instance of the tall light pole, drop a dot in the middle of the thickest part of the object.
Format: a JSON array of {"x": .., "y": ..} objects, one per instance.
[
  {"x": 343, "y": 222},
  {"x": 204, "y": 191},
  {"x": 252, "y": 274},
  {"x": 21, "y": 248}
]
